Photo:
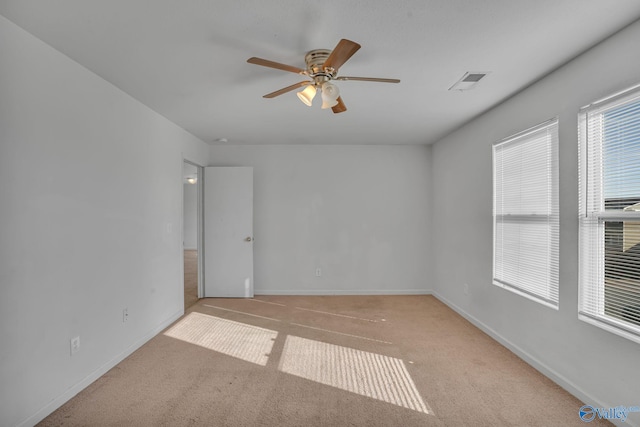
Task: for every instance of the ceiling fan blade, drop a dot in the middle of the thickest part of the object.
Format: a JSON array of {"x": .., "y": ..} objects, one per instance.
[
  {"x": 287, "y": 89},
  {"x": 341, "y": 53},
  {"x": 339, "y": 107},
  {"x": 277, "y": 65},
  {"x": 369, "y": 79}
]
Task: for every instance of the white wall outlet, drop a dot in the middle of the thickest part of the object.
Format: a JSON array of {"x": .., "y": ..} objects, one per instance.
[
  {"x": 318, "y": 272},
  {"x": 125, "y": 315},
  {"x": 466, "y": 289},
  {"x": 75, "y": 345}
]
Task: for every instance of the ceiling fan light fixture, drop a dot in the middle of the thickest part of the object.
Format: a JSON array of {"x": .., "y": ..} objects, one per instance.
[
  {"x": 322, "y": 67},
  {"x": 307, "y": 94},
  {"x": 330, "y": 94}
]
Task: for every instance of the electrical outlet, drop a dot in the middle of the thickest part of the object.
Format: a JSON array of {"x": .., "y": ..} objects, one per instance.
[
  {"x": 466, "y": 289},
  {"x": 125, "y": 315},
  {"x": 75, "y": 345},
  {"x": 318, "y": 272}
]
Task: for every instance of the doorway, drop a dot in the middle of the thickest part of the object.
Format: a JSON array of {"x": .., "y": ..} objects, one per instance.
[{"x": 191, "y": 177}]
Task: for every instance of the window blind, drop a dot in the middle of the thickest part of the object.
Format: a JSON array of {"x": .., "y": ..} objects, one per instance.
[
  {"x": 610, "y": 214},
  {"x": 525, "y": 213}
]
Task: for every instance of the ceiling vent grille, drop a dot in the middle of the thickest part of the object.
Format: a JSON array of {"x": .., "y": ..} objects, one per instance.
[{"x": 469, "y": 80}]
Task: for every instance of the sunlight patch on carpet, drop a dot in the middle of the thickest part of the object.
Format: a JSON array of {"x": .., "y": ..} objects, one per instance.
[
  {"x": 246, "y": 342},
  {"x": 367, "y": 374}
]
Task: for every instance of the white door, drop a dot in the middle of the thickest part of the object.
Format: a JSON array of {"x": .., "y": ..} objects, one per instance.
[{"x": 228, "y": 232}]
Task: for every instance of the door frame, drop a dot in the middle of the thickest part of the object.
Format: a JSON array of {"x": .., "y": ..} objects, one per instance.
[{"x": 199, "y": 223}]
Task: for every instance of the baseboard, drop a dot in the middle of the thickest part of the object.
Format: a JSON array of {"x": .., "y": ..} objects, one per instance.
[
  {"x": 85, "y": 382},
  {"x": 320, "y": 292},
  {"x": 544, "y": 369}
]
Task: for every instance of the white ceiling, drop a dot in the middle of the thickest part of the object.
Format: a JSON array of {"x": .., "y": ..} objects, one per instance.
[{"x": 187, "y": 59}]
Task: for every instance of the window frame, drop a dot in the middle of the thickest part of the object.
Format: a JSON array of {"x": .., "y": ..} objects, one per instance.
[
  {"x": 593, "y": 216},
  {"x": 550, "y": 295}
]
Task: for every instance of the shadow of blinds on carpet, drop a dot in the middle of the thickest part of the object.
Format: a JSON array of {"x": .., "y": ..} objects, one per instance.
[
  {"x": 235, "y": 339},
  {"x": 367, "y": 374},
  {"x": 360, "y": 372}
]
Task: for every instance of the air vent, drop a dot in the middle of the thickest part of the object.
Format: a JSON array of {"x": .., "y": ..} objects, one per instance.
[
  {"x": 475, "y": 77},
  {"x": 469, "y": 80}
]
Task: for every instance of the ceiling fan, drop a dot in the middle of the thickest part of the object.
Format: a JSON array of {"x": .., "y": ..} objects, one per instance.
[{"x": 322, "y": 68}]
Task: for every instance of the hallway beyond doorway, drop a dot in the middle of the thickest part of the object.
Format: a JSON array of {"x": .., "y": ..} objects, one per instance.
[{"x": 190, "y": 277}]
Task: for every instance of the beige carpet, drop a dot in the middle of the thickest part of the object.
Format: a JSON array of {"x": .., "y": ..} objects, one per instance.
[
  {"x": 321, "y": 361},
  {"x": 190, "y": 277}
]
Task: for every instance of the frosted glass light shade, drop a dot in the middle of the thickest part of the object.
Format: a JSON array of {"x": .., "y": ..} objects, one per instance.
[
  {"x": 306, "y": 95},
  {"x": 330, "y": 94}
]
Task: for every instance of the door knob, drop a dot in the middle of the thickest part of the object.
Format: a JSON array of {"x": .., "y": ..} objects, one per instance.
[{"x": 248, "y": 239}]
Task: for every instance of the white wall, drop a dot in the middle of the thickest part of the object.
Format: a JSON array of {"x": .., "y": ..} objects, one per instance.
[
  {"x": 90, "y": 217},
  {"x": 360, "y": 213},
  {"x": 597, "y": 366},
  {"x": 190, "y": 219}
]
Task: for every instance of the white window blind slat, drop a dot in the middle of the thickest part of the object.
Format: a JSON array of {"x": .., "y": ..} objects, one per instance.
[
  {"x": 525, "y": 213},
  {"x": 610, "y": 214}
]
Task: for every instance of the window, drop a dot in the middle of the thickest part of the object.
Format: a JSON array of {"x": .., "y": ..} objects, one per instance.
[
  {"x": 525, "y": 213},
  {"x": 610, "y": 214}
]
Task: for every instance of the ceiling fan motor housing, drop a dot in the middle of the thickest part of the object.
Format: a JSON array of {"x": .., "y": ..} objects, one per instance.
[{"x": 315, "y": 60}]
